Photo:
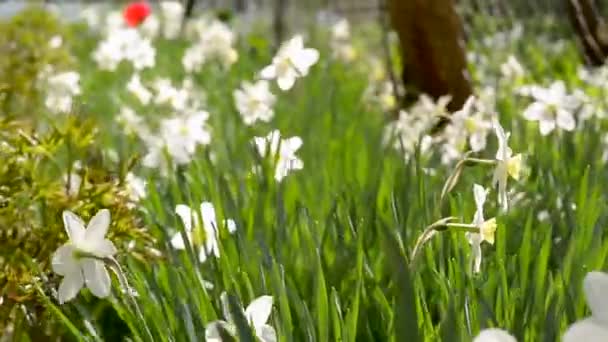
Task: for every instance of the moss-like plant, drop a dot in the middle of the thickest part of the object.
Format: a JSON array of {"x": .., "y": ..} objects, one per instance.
[{"x": 25, "y": 53}]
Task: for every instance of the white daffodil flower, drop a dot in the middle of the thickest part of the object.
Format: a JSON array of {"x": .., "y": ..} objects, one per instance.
[
  {"x": 486, "y": 228},
  {"x": 494, "y": 335},
  {"x": 79, "y": 260},
  {"x": 254, "y": 101},
  {"x": 135, "y": 186},
  {"x": 172, "y": 13},
  {"x": 506, "y": 165},
  {"x": 291, "y": 61},
  {"x": 256, "y": 313},
  {"x": 594, "y": 328},
  {"x": 190, "y": 221},
  {"x": 124, "y": 44},
  {"x": 284, "y": 149},
  {"x": 552, "y": 108},
  {"x": 61, "y": 88},
  {"x": 512, "y": 69},
  {"x": 135, "y": 87}
]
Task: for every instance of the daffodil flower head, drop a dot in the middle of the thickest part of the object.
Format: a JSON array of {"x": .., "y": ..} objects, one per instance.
[
  {"x": 487, "y": 228},
  {"x": 192, "y": 226},
  {"x": 506, "y": 165},
  {"x": 594, "y": 328},
  {"x": 256, "y": 313},
  {"x": 79, "y": 260},
  {"x": 494, "y": 335}
]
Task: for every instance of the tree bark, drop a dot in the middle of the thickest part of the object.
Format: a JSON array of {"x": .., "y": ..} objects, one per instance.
[
  {"x": 590, "y": 29},
  {"x": 432, "y": 48},
  {"x": 280, "y": 10}
]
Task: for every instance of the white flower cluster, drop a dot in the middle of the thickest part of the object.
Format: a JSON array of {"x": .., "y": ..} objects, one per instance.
[
  {"x": 177, "y": 136},
  {"x": 126, "y": 44},
  {"x": 214, "y": 40},
  {"x": 60, "y": 90}
]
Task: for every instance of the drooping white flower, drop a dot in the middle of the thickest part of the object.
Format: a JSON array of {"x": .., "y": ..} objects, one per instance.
[
  {"x": 281, "y": 150},
  {"x": 594, "y": 328},
  {"x": 494, "y": 335},
  {"x": 135, "y": 87},
  {"x": 190, "y": 220},
  {"x": 254, "y": 101},
  {"x": 552, "y": 108},
  {"x": 291, "y": 62},
  {"x": 506, "y": 165},
  {"x": 60, "y": 89},
  {"x": 172, "y": 13},
  {"x": 487, "y": 228},
  {"x": 256, "y": 313},
  {"x": 79, "y": 260}
]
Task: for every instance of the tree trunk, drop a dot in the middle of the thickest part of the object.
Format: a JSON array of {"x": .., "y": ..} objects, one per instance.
[
  {"x": 432, "y": 49},
  {"x": 591, "y": 30},
  {"x": 280, "y": 10}
]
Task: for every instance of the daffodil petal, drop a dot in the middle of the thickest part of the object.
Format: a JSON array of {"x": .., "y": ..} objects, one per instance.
[
  {"x": 74, "y": 226},
  {"x": 98, "y": 226},
  {"x": 70, "y": 286},
  {"x": 286, "y": 82},
  {"x": 266, "y": 333},
  {"x": 587, "y": 330},
  {"x": 258, "y": 311},
  {"x": 595, "y": 286},
  {"x": 494, "y": 335},
  {"x": 96, "y": 277},
  {"x": 185, "y": 214},
  {"x": 63, "y": 261}
]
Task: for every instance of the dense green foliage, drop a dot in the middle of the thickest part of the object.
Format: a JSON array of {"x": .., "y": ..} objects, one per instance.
[{"x": 331, "y": 242}]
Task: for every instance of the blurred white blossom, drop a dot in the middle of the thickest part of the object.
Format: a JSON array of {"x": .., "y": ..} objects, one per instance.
[
  {"x": 291, "y": 62},
  {"x": 257, "y": 314},
  {"x": 254, "y": 101},
  {"x": 60, "y": 90},
  {"x": 190, "y": 220},
  {"x": 494, "y": 335},
  {"x": 340, "y": 43},
  {"x": 281, "y": 150},
  {"x": 214, "y": 40},
  {"x": 172, "y": 14},
  {"x": 594, "y": 328},
  {"x": 135, "y": 87},
  {"x": 178, "y": 138},
  {"x": 552, "y": 108},
  {"x": 124, "y": 44}
]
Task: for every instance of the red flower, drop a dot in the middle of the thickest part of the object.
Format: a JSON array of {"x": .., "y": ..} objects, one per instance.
[{"x": 136, "y": 12}]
